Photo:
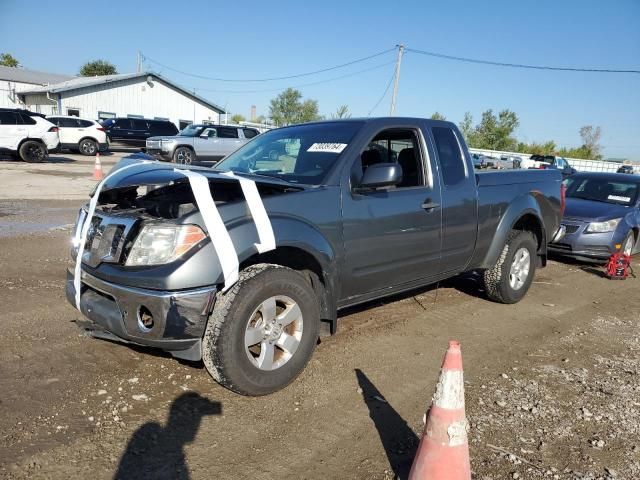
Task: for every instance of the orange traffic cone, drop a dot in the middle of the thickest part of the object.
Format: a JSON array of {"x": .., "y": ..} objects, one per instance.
[
  {"x": 97, "y": 169},
  {"x": 443, "y": 453}
]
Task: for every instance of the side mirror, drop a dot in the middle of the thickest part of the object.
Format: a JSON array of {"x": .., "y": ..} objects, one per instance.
[{"x": 381, "y": 175}]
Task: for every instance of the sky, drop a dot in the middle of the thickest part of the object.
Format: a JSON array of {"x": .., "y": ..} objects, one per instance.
[{"x": 257, "y": 40}]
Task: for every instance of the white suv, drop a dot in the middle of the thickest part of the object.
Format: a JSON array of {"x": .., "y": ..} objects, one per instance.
[
  {"x": 27, "y": 134},
  {"x": 79, "y": 134}
]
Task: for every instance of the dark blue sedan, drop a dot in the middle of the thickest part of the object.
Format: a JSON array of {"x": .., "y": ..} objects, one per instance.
[{"x": 602, "y": 216}]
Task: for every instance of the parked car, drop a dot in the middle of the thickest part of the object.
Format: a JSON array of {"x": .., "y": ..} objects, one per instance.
[
  {"x": 133, "y": 132},
  {"x": 341, "y": 226},
  {"x": 602, "y": 216},
  {"x": 79, "y": 134},
  {"x": 542, "y": 162},
  {"x": 479, "y": 160},
  {"x": 625, "y": 169},
  {"x": 27, "y": 134},
  {"x": 200, "y": 142}
]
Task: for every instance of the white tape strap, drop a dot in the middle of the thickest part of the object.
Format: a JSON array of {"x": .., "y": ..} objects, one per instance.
[
  {"x": 216, "y": 228},
  {"x": 82, "y": 239},
  {"x": 267, "y": 239}
]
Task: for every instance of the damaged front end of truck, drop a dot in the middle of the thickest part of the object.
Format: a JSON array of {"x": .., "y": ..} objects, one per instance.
[{"x": 149, "y": 272}]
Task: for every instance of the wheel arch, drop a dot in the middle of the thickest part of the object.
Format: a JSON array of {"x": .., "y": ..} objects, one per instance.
[
  {"x": 308, "y": 264},
  {"x": 523, "y": 214}
]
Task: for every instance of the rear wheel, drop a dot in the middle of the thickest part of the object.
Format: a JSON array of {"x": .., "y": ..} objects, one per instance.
[
  {"x": 88, "y": 147},
  {"x": 510, "y": 278},
  {"x": 263, "y": 331},
  {"x": 33, "y": 152},
  {"x": 184, "y": 156}
]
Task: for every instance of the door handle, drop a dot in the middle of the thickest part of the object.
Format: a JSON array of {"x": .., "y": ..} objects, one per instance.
[{"x": 429, "y": 205}]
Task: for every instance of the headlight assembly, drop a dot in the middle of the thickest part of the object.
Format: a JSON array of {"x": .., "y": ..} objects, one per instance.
[
  {"x": 602, "y": 227},
  {"x": 159, "y": 244}
]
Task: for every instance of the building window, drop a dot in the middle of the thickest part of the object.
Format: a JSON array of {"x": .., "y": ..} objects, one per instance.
[
  {"x": 106, "y": 115},
  {"x": 184, "y": 124},
  {"x": 208, "y": 122},
  {"x": 134, "y": 116},
  {"x": 73, "y": 112},
  {"x": 161, "y": 118}
]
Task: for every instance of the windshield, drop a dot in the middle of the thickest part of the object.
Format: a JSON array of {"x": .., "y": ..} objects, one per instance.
[
  {"x": 603, "y": 190},
  {"x": 298, "y": 154},
  {"x": 191, "y": 131}
]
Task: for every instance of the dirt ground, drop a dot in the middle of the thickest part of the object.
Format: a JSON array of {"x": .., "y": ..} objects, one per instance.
[{"x": 552, "y": 383}]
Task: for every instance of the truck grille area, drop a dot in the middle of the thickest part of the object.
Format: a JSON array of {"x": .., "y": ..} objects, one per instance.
[{"x": 106, "y": 239}]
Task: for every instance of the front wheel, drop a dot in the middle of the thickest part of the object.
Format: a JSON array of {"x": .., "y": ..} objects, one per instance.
[
  {"x": 263, "y": 331},
  {"x": 509, "y": 279},
  {"x": 33, "y": 152}
]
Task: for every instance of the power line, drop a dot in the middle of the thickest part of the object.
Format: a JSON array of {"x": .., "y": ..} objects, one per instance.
[
  {"x": 518, "y": 65},
  {"x": 384, "y": 94},
  {"x": 218, "y": 79},
  {"x": 376, "y": 67}
]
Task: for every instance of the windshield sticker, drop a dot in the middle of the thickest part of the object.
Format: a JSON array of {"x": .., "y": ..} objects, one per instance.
[
  {"x": 327, "y": 147},
  {"x": 619, "y": 199}
]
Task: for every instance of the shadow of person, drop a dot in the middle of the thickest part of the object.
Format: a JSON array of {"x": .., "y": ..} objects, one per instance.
[
  {"x": 157, "y": 452},
  {"x": 398, "y": 439}
]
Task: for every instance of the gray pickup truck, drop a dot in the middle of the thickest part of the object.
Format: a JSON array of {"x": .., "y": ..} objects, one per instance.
[
  {"x": 359, "y": 209},
  {"x": 199, "y": 142}
]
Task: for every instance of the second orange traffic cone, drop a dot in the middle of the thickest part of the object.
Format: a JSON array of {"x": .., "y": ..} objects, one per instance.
[
  {"x": 443, "y": 453},
  {"x": 97, "y": 169}
]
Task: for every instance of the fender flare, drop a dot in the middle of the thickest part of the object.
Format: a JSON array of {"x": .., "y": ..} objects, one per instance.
[{"x": 523, "y": 206}]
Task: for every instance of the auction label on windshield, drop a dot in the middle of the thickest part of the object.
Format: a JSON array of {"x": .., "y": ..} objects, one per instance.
[
  {"x": 327, "y": 147},
  {"x": 619, "y": 199}
]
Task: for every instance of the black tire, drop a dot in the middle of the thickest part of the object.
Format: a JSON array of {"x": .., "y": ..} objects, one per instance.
[
  {"x": 88, "y": 147},
  {"x": 223, "y": 348},
  {"x": 184, "y": 156},
  {"x": 33, "y": 152},
  {"x": 497, "y": 280}
]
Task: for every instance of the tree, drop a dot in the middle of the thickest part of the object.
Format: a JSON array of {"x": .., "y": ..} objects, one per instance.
[
  {"x": 466, "y": 127},
  {"x": 97, "y": 68},
  {"x": 237, "y": 118},
  {"x": 493, "y": 133},
  {"x": 287, "y": 108},
  {"x": 437, "y": 116},
  {"x": 591, "y": 141},
  {"x": 260, "y": 119},
  {"x": 8, "y": 60},
  {"x": 341, "y": 112}
]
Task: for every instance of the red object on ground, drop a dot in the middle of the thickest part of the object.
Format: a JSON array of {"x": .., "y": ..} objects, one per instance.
[
  {"x": 97, "y": 169},
  {"x": 618, "y": 266},
  {"x": 443, "y": 453}
]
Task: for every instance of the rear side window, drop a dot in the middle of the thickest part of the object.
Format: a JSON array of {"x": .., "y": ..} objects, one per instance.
[
  {"x": 249, "y": 132},
  {"x": 227, "y": 132},
  {"x": 27, "y": 120},
  {"x": 84, "y": 123},
  {"x": 67, "y": 123},
  {"x": 165, "y": 128},
  {"x": 449, "y": 156},
  {"x": 9, "y": 118}
]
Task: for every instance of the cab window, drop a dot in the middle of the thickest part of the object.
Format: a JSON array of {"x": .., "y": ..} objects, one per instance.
[
  {"x": 399, "y": 146},
  {"x": 450, "y": 157}
]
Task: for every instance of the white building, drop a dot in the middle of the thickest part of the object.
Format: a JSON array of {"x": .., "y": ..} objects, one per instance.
[
  {"x": 14, "y": 80},
  {"x": 134, "y": 95}
]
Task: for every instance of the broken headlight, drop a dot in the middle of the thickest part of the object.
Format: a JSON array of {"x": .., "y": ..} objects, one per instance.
[{"x": 159, "y": 244}]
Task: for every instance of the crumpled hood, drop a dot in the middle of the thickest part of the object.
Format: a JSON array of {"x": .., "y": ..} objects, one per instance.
[
  {"x": 591, "y": 210},
  {"x": 151, "y": 172}
]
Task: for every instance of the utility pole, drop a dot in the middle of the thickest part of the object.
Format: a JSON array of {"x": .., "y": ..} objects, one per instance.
[
  {"x": 396, "y": 80},
  {"x": 139, "y": 67}
]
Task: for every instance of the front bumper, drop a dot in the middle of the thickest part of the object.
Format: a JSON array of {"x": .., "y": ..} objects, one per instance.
[
  {"x": 179, "y": 317},
  {"x": 159, "y": 154},
  {"x": 584, "y": 246}
]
